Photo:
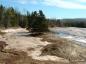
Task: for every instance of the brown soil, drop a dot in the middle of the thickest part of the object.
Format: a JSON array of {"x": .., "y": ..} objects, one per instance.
[{"x": 21, "y": 58}]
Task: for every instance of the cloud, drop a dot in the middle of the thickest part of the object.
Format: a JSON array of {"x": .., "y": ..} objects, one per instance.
[
  {"x": 65, "y": 4},
  {"x": 25, "y": 1},
  {"x": 82, "y": 1},
  {"x": 34, "y": 2}
]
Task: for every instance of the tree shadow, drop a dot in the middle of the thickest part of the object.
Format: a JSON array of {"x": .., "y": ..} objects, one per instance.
[{"x": 29, "y": 34}]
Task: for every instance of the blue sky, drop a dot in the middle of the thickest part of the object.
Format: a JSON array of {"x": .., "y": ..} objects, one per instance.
[{"x": 51, "y": 8}]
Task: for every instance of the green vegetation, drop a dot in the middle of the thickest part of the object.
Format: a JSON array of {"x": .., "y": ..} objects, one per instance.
[
  {"x": 36, "y": 22},
  {"x": 9, "y": 17}
]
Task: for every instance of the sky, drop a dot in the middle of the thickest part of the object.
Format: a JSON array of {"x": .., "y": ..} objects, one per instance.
[{"x": 52, "y": 8}]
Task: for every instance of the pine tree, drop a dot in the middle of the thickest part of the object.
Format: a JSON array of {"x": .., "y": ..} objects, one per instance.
[
  {"x": 37, "y": 22},
  {"x": 1, "y": 14}
]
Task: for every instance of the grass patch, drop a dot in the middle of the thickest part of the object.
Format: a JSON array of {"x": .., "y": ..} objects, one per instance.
[
  {"x": 21, "y": 58},
  {"x": 2, "y": 33},
  {"x": 64, "y": 48}
]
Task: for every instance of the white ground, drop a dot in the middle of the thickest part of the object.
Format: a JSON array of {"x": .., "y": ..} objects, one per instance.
[
  {"x": 71, "y": 33},
  {"x": 17, "y": 39}
]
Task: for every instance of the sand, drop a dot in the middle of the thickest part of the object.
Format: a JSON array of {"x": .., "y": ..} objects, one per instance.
[{"x": 17, "y": 40}]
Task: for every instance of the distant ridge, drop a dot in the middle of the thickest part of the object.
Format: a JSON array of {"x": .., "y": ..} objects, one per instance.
[{"x": 74, "y": 20}]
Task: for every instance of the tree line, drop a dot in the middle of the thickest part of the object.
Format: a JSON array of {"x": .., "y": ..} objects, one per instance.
[
  {"x": 35, "y": 21},
  {"x": 9, "y": 17},
  {"x": 67, "y": 23}
]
